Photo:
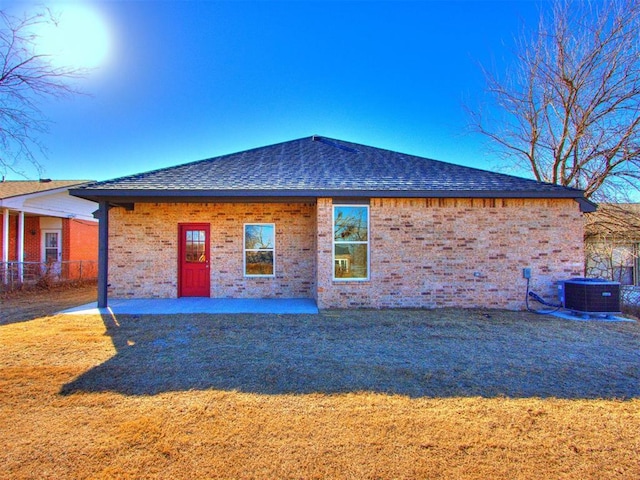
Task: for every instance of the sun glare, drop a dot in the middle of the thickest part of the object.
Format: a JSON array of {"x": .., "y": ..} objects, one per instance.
[{"x": 78, "y": 37}]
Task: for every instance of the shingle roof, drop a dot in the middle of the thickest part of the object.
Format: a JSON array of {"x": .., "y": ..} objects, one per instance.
[
  {"x": 320, "y": 166},
  {"x": 15, "y": 188}
]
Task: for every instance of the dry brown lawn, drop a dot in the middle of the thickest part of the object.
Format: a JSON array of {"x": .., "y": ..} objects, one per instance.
[
  {"x": 80, "y": 398},
  {"x": 32, "y": 303}
]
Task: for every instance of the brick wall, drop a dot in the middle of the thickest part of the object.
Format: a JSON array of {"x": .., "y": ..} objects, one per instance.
[
  {"x": 80, "y": 240},
  {"x": 80, "y": 248},
  {"x": 143, "y": 246},
  {"x": 31, "y": 241},
  {"x": 13, "y": 225},
  {"x": 424, "y": 252},
  {"x": 456, "y": 252}
]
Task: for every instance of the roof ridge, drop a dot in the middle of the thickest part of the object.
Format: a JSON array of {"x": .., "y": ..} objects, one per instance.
[
  {"x": 327, "y": 141},
  {"x": 455, "y": 165},
  {"x": 320, "y": 165},
  {"x": 193, "y": 162}
]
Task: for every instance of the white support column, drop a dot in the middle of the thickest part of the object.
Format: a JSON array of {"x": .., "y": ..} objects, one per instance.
[
  {"x": 21, "y": 246},
  {"x": 5, "y": 243}
]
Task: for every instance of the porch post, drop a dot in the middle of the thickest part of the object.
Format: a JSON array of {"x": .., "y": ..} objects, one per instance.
[
  {"x": 5, "y": 244},
  {"x": 103, "y": 254},
  {"x": 21, "y": 246}
]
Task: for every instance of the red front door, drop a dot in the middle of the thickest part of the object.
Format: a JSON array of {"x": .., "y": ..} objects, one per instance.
[{"x": 193, "y": 260}]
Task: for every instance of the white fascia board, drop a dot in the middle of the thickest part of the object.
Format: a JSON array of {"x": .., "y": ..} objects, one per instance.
[{"x": 52, "y": 203}]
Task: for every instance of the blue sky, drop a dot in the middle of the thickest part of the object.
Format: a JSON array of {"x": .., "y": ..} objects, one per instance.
[{"x": 192, "y": 80}]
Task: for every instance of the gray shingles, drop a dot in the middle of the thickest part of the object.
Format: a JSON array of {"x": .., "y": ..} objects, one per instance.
[{"x": 314, "y": 165}]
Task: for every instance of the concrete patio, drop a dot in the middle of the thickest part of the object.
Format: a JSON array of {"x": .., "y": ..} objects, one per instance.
[{"x": 153, "y": 306}]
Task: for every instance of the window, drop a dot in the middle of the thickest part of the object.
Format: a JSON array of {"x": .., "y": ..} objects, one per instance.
[
  {"x": 259, "y": 250},
  {"x": 623, "y": 275},
  {"x": 623, "y": 260},
  {"x": 194, "y": 246},
  {"x": 351, "y": 242},
  {"x": 51, "y": 247}
]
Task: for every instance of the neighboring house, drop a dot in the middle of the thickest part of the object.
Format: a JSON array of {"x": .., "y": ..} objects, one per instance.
[
  {"x": 612, "y": 240},
  {"x": 345, "y": 224},
  {"x": 42, "y": 224}
]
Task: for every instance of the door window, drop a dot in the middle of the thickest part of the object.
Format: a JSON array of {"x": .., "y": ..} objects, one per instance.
[{"x": 195, "y": 246}]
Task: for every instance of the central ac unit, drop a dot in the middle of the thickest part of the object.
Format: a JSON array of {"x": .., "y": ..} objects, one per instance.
[{"x": 590, "y": 296}]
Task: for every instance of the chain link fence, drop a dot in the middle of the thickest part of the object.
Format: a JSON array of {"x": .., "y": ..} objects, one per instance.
[
  {"x": 14, "y": 275},
  {"x": 630, "y": 299}
]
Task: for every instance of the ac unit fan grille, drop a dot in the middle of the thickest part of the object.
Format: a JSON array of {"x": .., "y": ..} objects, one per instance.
[{"x": 592, "y": 296}]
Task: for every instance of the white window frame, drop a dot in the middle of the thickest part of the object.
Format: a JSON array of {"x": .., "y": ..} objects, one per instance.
[
  {"x": 333, "y": 243},
  {"x": 245, "y": 250},
  {"x": 43, "y": 245}
]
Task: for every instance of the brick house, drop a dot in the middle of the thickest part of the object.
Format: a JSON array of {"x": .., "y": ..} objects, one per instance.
[
  {"x": 41, "y": 223},
  {"x": 612, "y": 243},
  {"x": 345, "y": 224}
]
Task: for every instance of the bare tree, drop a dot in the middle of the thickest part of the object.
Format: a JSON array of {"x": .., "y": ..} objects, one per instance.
[
  {"x": 611, "y": 247},
  {"x": 611, "y": 237},
  {"x": 27, "y": 78},
  {"x": 570, "y": 110}
]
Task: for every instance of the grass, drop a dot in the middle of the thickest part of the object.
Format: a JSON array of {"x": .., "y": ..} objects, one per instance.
[
  {"x": 443, "y": 353},
  {"x": 34, "y": 302},
  {"x": 405, "y": 394}
]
